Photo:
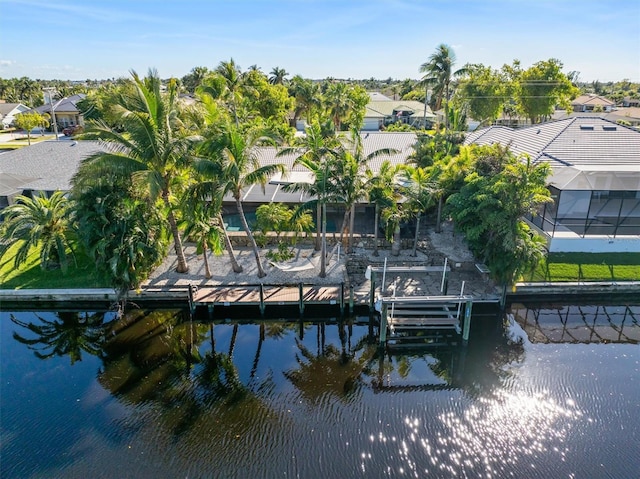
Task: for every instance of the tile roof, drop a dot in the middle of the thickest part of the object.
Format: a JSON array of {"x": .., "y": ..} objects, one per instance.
[
  {"x": 50, "y": 165},
  {"x": 592, "y": 99},
  {"x": 65, "y": 105},
  {"x": 381, "y": 109},
  {"x": 6, "y": 108},
  {"x": 585, "y": 143},
  {"x": 47, "y": 165}
]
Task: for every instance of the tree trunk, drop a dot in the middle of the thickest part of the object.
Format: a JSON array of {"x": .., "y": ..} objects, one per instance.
[
  {"x": 232, "y": 256},
  {"x": 318, "y": 245},
  {"x": 323, "y": 249},
  {"x": 252, "y": 240},
  {"x": 207, "y": 269},
  {"x": 345, "y": 221},
  {"x": 415, "y": 238},
  {"x": 352, "y": 216},
  {"x": 182, "y": 267},
  {"x": 375, "y": 232},
  {"x": 395, "y": 246},
  {"x": 439, "y": 218}
]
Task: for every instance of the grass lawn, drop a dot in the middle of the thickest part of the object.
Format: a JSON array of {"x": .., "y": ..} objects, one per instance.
[
  {"x": 587, "y": 267},
  {"x": 30, "y": 275}
]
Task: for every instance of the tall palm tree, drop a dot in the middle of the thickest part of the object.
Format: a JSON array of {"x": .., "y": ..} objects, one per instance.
[
  {"x": 438, "y": 72},
  {"x": 278, "y": 76},
  {"x": 205, "y": 194},
  {"x": 153, "y": 147},
  {"x": 382, "y": 192},
  {"x": 350, "y": 179},
  {"x": 313, "y": 151},
  {"x": 38, "y": 222},
  {"x": 231, "y": 73},
  {"x": 236, "y": 154}
]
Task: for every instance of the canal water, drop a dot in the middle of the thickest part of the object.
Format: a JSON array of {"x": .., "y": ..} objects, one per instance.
[{"x": 154, "y": 395}]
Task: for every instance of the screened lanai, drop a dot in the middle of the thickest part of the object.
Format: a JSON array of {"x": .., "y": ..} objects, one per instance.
[{"x": 592, "y": 203}]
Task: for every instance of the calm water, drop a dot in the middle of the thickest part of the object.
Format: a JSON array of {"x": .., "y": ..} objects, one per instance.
[{"x": 90, "y": 396}]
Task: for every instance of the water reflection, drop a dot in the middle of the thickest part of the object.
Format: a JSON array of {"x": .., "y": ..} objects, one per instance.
[
  {"x": 579, "y": 323},
  {"x": 306, "y": 399},
  {"x": 68, "y": 334}
]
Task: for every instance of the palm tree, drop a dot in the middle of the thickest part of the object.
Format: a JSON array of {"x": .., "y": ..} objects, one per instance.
[
  {"x": 152, "y": 148},
  {"x": 350, "y": 179},
  {"x": 419, "y": 189},
  {"x": 313, "y": 151},
  {"x": 338, "y": 103},
  {"x": 38, "y": 222},
  {"x": 231, "y": 73},
  {"x": 200, "y": 226},
  {"x": 277, "y": 76},
  {"x": 382, "y": 191},
  {"x": 236, "y": 155},
  {"x": 438, "y": 72},
  {"x": 307, "y": 96}
]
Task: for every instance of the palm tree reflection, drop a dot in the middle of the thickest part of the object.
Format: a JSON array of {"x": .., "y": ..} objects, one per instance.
[
  {"x": 71, "y": 333},
  {"x": 331, "y": 370}
]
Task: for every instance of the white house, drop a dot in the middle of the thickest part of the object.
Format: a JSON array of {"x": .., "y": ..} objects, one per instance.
[
  {"x": 595, "y": 181},
  {"x": 8, "y": 112}
]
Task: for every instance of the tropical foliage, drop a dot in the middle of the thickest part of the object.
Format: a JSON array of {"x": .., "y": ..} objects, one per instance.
[
  {"x": 489, "y": 208},
  {"x": 40, "y": 222}
]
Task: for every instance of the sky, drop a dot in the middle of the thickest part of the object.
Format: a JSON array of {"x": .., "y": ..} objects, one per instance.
[{"x": 358, "y": 39}]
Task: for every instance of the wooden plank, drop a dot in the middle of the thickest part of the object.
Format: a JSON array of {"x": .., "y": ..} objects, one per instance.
[{"x": 224, "y": 295}]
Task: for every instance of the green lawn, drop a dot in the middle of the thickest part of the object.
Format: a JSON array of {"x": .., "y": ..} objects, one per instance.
[
  {"x": 587, "y": 267},
  {"x": 31, "y": 276}
]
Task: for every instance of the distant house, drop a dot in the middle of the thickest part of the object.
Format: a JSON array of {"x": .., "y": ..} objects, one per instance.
[
  {"x": 629, "y": 116},
  {"x": 380, "y": 113},
  {"x": 595, "y": 181},
  {"x": 66, "y": 111},
  {"x": 592, "y": 102},
  {"x": 8, "y": 112},
  {"x": 630, "y": 102}
]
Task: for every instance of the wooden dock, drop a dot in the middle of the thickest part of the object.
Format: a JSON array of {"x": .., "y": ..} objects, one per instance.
[{"x": 266, "y": 296}]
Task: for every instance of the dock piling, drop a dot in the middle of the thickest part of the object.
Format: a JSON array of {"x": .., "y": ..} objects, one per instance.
[
  {"x": 301, "y": 296},
  {"x": 262, "y": 307},
  {"x": 467, "y": 322}
]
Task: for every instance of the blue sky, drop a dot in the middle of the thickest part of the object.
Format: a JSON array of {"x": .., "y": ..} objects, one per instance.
[{"x": 80, "y": 39}]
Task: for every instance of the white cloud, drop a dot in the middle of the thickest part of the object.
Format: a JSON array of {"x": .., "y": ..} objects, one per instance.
[{"x": 7, "y": 63}]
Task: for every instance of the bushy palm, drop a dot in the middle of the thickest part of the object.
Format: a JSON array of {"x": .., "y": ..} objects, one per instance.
[
  {"x": 419, "y": 189},
  {"x": 383, "y": 193},
  {"x": 39, "y": 222},
  {"x": 153, "y": 147}
]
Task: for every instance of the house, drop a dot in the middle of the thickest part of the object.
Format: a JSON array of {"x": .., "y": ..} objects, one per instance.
[
  {"x": 49, "y": 166},
  {"x": 46, "y": 166},
  {"x": 65, "y": 110},
  {"x": 275, "y": 190},
  {"x": 629, "y": 116},
  {"x": 592, "y": 102},
  {"x": 595, "y": 181},
  {"x": 380, "y": 113},
  {"x": 8, "y": 112}
]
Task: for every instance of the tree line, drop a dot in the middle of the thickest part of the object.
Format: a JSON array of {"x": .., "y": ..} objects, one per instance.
[{"x": 167, "y": 164}]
